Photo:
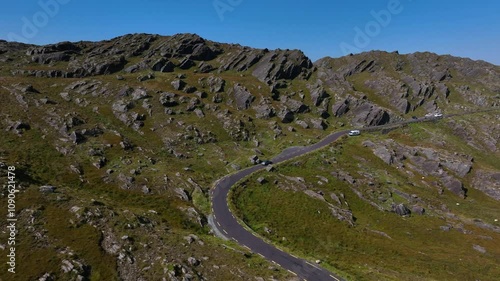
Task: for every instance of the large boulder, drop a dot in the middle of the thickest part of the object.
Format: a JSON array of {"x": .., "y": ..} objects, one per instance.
[
  {"x": 178, "y": 84},
  {"x": 340, "y": 108},
  {"x": 97, "y": 66},
  {"x": 296, "y": 106},
  {"x": 401, "y": 210},
  {"x": 286, "y": 115},
  {"x": 51, "y": 57},
  {"x": 319, "y": 124},
  {"x": 264, "y": 111},
  {"x": 214, "y": 83},
  {"x": 370, "y": 115},
  {"x": 403, "y": 106},
  {"x": 242, "y": 96},
  {"x": 163, "y": 65},
  {"x": 168, "y": 99},
  {"x": 455, "y": 186},
  {"x": 318, "y": 95}
]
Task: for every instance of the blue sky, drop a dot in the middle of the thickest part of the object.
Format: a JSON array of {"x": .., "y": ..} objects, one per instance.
[{"x": 319, "y": 28}]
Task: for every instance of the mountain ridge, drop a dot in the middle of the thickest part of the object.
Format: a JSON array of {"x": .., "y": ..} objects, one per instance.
[{"x": 117, "y": 144}]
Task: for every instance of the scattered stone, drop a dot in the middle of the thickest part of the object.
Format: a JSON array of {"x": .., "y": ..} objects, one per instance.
[
  {"x": 178, "y": 84},
  {"x": 401, "y": 210},
  {"x": 77, "y": 137},
  {"x": 199, "y": 113},
  {"x": 318, "y": 124},
  {"x": 480, "y": 249},
  {"x": 302, "y": 123},
  {"x": 163, "y": 65},
  {"x": 419, "y": 210},
  {"x": 139, "y": 94},
  {"x": 254, "y": 159},
  {"x": 47, "y": 189},
  {"x": 149, "y": 76},
  {"x": 193, "y": 261}
]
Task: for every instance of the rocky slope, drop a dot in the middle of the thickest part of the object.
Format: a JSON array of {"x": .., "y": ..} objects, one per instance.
[{"x": 132, "y": 132}]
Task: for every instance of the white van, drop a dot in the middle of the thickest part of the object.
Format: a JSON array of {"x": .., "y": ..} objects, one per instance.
[{"x": 354, "y": 133}]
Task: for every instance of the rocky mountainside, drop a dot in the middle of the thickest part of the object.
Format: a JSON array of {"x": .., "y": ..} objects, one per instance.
[{"x": 118, "y": 142}]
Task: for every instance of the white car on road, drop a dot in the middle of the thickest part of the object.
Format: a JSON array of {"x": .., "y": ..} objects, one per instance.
[{"x": 354, "y": 133}]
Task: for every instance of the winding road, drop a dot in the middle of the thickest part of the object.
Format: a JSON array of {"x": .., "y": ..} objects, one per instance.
[{"x": 228, "y": 225}]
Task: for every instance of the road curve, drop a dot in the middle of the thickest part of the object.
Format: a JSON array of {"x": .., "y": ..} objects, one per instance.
[{"x": 226, "y": 223}]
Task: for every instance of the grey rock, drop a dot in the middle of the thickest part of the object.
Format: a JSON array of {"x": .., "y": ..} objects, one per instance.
[
  {"x": 189, "y": 89},
  {"x": 302, "y": 123},
  {"x": 286, "y": 116},
  {"x": 47, "y": 58},
  {"x": 480, "y": 249},
  {"x": 121, "y": 106},
  {"x": 383, "y": 153},
  {"x": 242, "y": 96},
  {"x": 214, "y": 83},
  {"x": 455, "y": 186},
  {"x": 254, "y": 159},
  {"x": 401, "y": 210},
  {"x": 276, "y": 65},
  {"x": 47, "y": 189},
  {"x": 318, "y": 124},
  {"x": 403, "y": 106},
  {"x": 199, "y": 113},
  {"x": 77, "y": 137},
  {"x": 163, "y": 65},
  {"x": 186, "y": 63},
  {"x": 264, "y": 111},
  {"x": 168, "y": 99},
  {"x": 182, "y": 194},
  {"x": 318, "y": 95},
  {"x": 139, "y": 94},
  {"x": 204, "y": 67},
  {"x": 235, "y": 167},
  {"x": 340, "y": 108},
  {"x": 200, "y": 94},
  {"x": 193, "y": 261},
  {"x": 20, "y": 126},
  {"x": 458, "y": 167},
  {"x": 178, "y": 84},
  {"x": 149, "y": 76},
  {"x": 370, "y": 115},
  {"x": 193, "y": 104},
  {"x": 100, "y": 163},
  {"x": 445, "y": 228},
  {"x": 296, "y": 106},
  {"x": 97, "y": 66},
  {"x": 217, "y": 98},
  {"x": 370, "y": 144},
  {"x": 135, "y": 68},
  {"x": 419, "y": 210}
]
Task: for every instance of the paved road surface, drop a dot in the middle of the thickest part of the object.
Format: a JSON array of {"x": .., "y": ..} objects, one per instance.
[{"x": 227, "y": 223}]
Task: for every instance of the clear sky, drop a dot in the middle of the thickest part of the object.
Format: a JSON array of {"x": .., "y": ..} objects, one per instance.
[{"x": 319, "y": 28}]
